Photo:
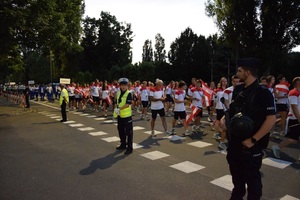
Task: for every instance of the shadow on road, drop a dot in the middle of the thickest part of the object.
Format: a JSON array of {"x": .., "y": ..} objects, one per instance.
[
  {"x": 103, "y": 163},
  {"x": 150, "y": 141}
]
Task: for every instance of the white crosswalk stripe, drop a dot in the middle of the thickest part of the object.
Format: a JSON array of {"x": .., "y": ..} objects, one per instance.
[
  {"x": 154, "y": 155},
  {"x": 187, "y": 167}
]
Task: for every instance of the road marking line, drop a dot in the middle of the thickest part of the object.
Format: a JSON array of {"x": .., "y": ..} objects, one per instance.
[
  {"x": 199, "y": 144},
  {"x": 273, "y": 162},
  {"x": 76, "y": 113},
  {"x": 69, "y": 122},
  {"x": 111, "y": 139},
  {"x": 76, "y": 125},
  {"x": 51, "y": 115},
  {"x": 136, "y": 128},
  {"x": 224, "y": 182},
  {"x": 45, "y": 105},
  {"x": 100, "y": 118},
  {"x": 91, "y": 116},
  {"x": 187, "y": 167},
  {"x": 86, "y": 129},
  {"x": 155, "y": 155},
  {"x": 98, "y": 133},
  {"x": 55, "y": 117},
  {"x": 137, "y": 146},
  {"x": 288, "y": 197},
  {"x": 84, "y": 114}
]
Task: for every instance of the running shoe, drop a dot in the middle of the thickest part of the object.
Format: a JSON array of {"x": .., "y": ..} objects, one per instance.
[
  {"x": 276, "y": 151},
  {"x": 172, "y": 132},
  {"x": 153, "y": 134},
  {"x": 222, "y": 145},
  {"x": 217, "y": 136},
  {"x": 187, "y": 132}
]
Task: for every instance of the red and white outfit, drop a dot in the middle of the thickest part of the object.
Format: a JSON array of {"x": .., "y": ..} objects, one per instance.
[
  {"x": 156, "y": 94},
  {"x": 180, "y": 96},
  {"x": 144, "y": 94},
  {"x": 293, "y": 123},
  {"x": 197, "y": 95},
  {"x": 282, "y": 90}
]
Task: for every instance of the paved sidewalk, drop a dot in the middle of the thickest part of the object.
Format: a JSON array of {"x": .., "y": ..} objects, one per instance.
[{"x": 9, "y": 108}]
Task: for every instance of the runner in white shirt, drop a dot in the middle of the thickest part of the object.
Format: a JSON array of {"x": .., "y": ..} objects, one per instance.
[
  {"x": 293, "y": 132},
  {"x": 95, "y": 91},
  {"x": 71, "y": 89},
  {"x": 169, "y": 98},
  {"x": 197, "y": 98},
  {"x": 157, "y": 107},
  {"x": 227, "y": 100},
  {"x": 105, "y": 101},
  {"x": 144, "y": 98},
  {"x": 179, "y": 108},
  {"x": 219, "y": 106},
  {"x": 281, "y": 92}
]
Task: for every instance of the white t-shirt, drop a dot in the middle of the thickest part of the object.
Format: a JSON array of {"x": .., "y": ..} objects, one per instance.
[
  {"x": 179, "y": 95},
  {"x": 144, "y": 93},
  {"x": 156, "y": 94},
  {"x": 294, "y": 99},
  {"x": 71, "y": 90},
  {"x": 168, "y": 90},
  {"x": 105, "y": 94},
  {"x": 95, "y": 91},
  {"x": 218, "y": 96},
  {"x": 198, "y": 94}
]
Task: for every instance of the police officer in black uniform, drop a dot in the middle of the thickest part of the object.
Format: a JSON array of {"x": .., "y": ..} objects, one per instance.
[{"x": 252, "y": 114}]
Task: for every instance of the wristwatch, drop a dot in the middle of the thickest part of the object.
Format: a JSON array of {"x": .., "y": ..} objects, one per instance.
[{"x": 253, "y": 140}]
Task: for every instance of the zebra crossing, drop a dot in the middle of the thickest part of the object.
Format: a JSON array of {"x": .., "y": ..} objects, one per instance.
[{"x": 184, "y": 166}]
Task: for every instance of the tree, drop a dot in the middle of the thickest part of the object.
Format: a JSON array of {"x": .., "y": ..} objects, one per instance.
[
  {"x": 147, "y": 51},
  {"x": 106, "y": 43},
  {"x": 267, "y": 29},
  {"x": 38, "y": 27},
  {"x": 160, "y": 52},
  {"x": 189, "y": 56}
]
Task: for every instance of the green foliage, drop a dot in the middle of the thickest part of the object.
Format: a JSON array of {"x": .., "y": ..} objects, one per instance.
[
  {"x": 106, "y": 43},
  {"x": 31, "y": 26},
  {"x": 159, "y": 52},
  {"x": 189, "y": 56},
  {"x": 266, "y": 29},
  {"x": 147, "y": 51}
]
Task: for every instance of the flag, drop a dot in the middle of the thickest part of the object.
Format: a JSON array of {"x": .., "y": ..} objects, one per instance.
[
  {"x": 194, "y": 113},
  {"x": 283, "y": 87},
  {"x": 207, "y": 93},
  {"x": 108, "y": 100}
]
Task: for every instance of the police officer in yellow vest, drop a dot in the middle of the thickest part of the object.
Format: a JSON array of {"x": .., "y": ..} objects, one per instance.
[
  {"x": 63, "y": 101},
  {"x": 123, "y": 112}
]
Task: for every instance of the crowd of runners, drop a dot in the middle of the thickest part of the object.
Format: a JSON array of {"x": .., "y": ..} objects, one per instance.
[{"x": 176, "y": 99}]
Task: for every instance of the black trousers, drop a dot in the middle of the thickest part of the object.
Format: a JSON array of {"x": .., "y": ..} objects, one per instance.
[
  {"x": 27, "y": 101},
  {"x": 125, "y": 129},
  {"x": 244, "y": 165},
  {"x": 63, "y": 111}
]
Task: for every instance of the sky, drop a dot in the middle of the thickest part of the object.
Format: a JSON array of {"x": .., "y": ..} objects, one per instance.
[{"x": 149, "y": 17}]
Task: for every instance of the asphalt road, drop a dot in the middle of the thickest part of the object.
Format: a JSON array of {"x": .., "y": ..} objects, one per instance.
[{"x": 41, "y": 158}]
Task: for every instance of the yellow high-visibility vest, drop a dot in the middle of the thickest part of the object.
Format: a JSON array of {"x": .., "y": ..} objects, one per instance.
[
  {"x": 126, "y": 112},
  {"x": 61, "y": 96}
]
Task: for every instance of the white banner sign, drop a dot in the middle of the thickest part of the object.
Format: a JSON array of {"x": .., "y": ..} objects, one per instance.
[
  {"x": 30, "y": 82},
  {"x": 64, "y": 81}
]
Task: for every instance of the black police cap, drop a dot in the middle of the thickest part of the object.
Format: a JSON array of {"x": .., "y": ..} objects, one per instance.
[{"x": 249, "y": 62}]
